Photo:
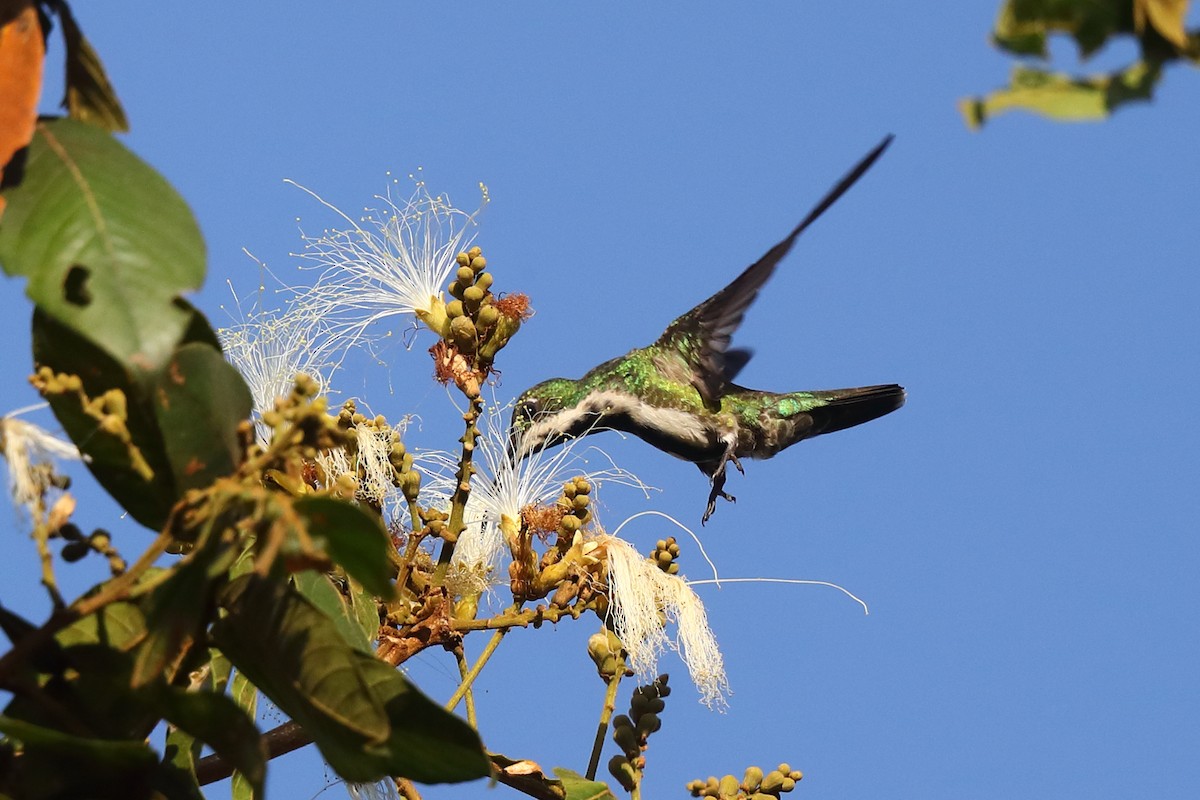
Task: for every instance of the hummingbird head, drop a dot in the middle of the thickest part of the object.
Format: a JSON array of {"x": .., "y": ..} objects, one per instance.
[{"x": 544, "y": 416}]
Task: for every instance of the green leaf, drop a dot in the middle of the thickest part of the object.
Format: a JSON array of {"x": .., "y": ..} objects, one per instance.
[
  {"x": 366, "y": 718},
  {"x": 177, "y": 771},
  {"x": 1022, "y": 25},
  {"x": 114, "y": 753},
  {"x": 219, "y": 671},
  {"x": 200, "y": 402},
  {"x": 320, "y": 591},
  {"x": 106, "y": 243},
  {"x": 182, "y": 421},
  {"x": 179, "y": 608},
  {"x": 245, "y": 696},
  {"x": 118, "y": 625},
  {"x": 15, "y": 627},
  {"x": 366, "y": 612},
  {"x": 90, "y": 97},
  {"x": 148, "y": 499},
  {"x": 218, "y": 722},
  {"x": 1063, "y": 97},
  {"x": 354, "y": 538},
  {"x": 580, "y": 788}
]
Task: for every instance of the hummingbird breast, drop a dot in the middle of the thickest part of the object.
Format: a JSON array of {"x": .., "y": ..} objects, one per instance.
[{"x": 681, "y": 432}]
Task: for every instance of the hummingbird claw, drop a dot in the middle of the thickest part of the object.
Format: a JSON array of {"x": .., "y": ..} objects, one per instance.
[
  {"x": 718, "y": 487},
  {"x": 737, "y": 464}
]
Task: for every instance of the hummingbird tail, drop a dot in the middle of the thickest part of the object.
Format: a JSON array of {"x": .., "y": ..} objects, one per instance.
[{"x": 845, "y": 408}]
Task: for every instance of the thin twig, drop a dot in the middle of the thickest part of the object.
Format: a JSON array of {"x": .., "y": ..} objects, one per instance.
[
  {"x": 610, "y": 705},
  {"x": 461, "y": 657},
  {"x": 470, "y": 677},
  {"x": 462, "y": 491},
  {"x": 116, "y": 589}
]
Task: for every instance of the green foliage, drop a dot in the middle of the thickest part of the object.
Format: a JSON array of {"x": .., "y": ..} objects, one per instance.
[
  {"x": 353, "y": 538},
  {"x": 1023, "y": 28},
  {"x": 578, "y": 787},
  {"x": 366, "y": 718},
  {"x": 106, "y": 243}
]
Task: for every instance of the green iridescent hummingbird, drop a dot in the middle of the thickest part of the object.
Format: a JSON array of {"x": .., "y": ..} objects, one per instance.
[{"x": 678, "y": 394}]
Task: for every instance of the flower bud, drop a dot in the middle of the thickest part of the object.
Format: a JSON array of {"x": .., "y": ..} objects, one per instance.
[
  {"x": 648, "y": 723},
  {"x": 624, "y": 772},
  {"x": 472, "y": 295},
  {"x": 487, "y": 316},
  {"x": 462, "y": 330},
  {"x": 773, "y": 782}
]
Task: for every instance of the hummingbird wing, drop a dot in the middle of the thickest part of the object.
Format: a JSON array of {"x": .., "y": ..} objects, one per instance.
[{"x": 702, "y": 335}]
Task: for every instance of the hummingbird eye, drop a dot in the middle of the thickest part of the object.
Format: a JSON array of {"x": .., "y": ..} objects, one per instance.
[{"x": 529, "y": 407}]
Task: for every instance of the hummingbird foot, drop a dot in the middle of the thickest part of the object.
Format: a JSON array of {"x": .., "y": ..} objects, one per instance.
[
  {"x": 712, "y": 502},
  {"x": 717, "y": 477}
]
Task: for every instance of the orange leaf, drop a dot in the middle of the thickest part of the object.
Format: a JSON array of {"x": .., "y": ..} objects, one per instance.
[{"x": 22, "y": 50}]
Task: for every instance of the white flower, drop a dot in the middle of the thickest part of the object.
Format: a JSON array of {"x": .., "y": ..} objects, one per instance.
[
  {"x": 373, "y": 460},
  {"x": 29, "y": 451},
  {"x": 269, "y": 347},
  {"x": 397, "y": 262},
  {"x": 383, "y": 790},
  {"x": 644, "y": 599},
  {"x": 502, "y": 487}
]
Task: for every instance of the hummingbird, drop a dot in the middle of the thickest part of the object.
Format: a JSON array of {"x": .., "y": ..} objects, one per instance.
[{"x": 679, "y": 394}]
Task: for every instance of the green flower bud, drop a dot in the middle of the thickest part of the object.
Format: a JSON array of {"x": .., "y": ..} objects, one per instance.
[
  {"x": 484, "y": 281},
  {"x": 474, "y": 252},
  {"x": 463, "y": 259},
  {"x": 455, "y": 289},
  {"x": 772, "y": 782},
  {"x": 454, "y": 309},
  {"x": 472, "y": 295},
  {"x": 410, "y": 484},
  {"x": 729, "y": 786},
  {"x": 478, "y": 263},
  {"x": 463, "y": 332},
  {"x": 487, "y": 316},
  {"x": 752, "y": 778}
]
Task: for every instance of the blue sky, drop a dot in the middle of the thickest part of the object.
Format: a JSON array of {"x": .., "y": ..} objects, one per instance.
[{"x": 1024, "y": 529}]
